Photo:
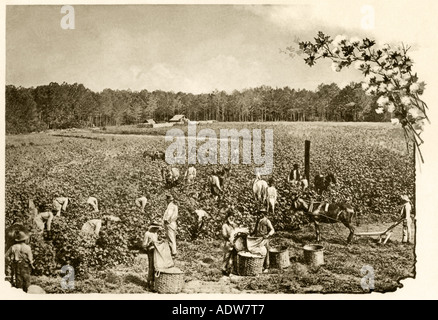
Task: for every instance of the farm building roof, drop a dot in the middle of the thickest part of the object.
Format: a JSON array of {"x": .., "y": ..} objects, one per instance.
[
  {"x": 150, "y": 121},
  {"x": 178, "y": 117}
]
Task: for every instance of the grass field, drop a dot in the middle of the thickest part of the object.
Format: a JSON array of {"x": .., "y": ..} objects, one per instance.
[{"x": 369, "y": 159}]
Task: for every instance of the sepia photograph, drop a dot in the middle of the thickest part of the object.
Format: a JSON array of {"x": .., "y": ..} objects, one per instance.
[{"x": 208, "y": 149}]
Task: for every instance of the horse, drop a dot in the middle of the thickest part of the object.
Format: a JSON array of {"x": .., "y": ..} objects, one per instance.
[
  {"x": 327, "y": 213},
  {"x": 322, "y": 183},
  {"x": 259, "y": 188},
  {"x": 216, "y": 181},
  {"x": 154, "y": 155},
  {"x": 170, "y": 176}
]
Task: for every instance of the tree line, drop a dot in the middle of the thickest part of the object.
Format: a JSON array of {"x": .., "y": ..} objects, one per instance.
[{"x": 61, "y": 106}]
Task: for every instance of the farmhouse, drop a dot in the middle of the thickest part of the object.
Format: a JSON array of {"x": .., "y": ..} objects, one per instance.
[{"x": 179, "y": 118}]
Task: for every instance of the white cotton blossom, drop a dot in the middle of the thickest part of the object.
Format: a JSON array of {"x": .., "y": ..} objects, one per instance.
[
  {"x": 390, "y": 87},
  {"x": 376, "y": 69},
  {"x": 414, "y": 87},
  {"x": 355, "y": 41},
  {"x": 395, "y": 121},
  {"x": 388, "y": 72},
  {"x": 339, "y": 40},
  {"x": 406, "y": 76},
  {"x": 336, "y": 50},
  {"x": 406, "y": 100},
  {"x": 383, "y": 87},
  {"x": 383, "y": 101},
  {"x": 336, "y": 67},
  {"x": 390, "y": 107},
  {"x": 365, "y": 85},
  {"x": 379, "y": 110},
  {"x": 402, "y": 82},
  {"x": 414, "y": 112},
  {"x": 396, "y": 70}
]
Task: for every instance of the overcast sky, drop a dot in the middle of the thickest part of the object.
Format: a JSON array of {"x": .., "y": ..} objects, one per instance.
[{"x": 195, "y": 48}]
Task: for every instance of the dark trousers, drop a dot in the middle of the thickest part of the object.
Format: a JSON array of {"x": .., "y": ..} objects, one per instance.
[
  {"x": 21, "y": 270},
  {"x": 151, "y": 269}
]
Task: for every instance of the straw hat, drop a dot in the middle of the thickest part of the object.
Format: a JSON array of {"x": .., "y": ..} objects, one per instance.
[
  {"x": 405, "y": 198},
  {"x": 21, "y": 236}
]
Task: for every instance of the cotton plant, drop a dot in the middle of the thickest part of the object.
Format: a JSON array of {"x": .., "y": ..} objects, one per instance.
[{"x": 387, "y": 74}]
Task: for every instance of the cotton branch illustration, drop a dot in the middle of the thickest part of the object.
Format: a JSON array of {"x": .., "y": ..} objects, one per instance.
[{"x": 387, "y": 73}]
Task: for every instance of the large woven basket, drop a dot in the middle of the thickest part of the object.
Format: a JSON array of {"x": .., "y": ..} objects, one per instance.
[
  {"x": 169, "y": 280},
  {"x": 279, "y": 257},
  {"x": 250, "y": 264}
]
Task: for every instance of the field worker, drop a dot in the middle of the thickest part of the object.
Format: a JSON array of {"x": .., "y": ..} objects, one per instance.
[
  {"x": 200, "y": 215},
  {"x": 264, "y": 228},
  {"x": 21, "y": 258},
  {"x": 93, "y": 227},
  {"x": 294, "y": 176},
  {"x": 228, "y": 248},
  {"x": 141, "y": 203},
  {"x": 92, "y": 201},
  {"x": 60, "y": 204},
  {"x": 169, "y": 220},
  {"x": 190, "y": 174},
  {"x": 43, "y": 221},
  {"x": 151, "y": 237},
  {"x": 407, "y": 222}
]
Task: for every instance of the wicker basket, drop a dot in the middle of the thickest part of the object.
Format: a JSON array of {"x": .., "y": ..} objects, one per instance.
[
  {"x": 279, "y": 257},
  {"x": 250, "y": 264},
  {"x": 169, "y": 280}
]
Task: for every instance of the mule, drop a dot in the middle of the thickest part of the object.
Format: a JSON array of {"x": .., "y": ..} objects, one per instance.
[
  {"x": 327, "y": 213},
  {"x": 322, "y": 183},
  {"x": 259, "y": 188},
  {"x": 154, "y": 155}
]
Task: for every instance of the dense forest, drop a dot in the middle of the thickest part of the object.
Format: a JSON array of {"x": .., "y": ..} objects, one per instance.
[{"x": 61, "y": 106}]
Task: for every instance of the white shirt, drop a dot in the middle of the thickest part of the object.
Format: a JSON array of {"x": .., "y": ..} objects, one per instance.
[
  {"x": 171, "y": 214},
  {"x": 406, "y": 210}
]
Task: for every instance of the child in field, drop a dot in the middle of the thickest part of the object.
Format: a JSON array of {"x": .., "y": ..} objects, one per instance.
[
  {"x": 21, "y": 258},
  {"x": 228, "y": 247},
  {"x": 151, "y": 237}
]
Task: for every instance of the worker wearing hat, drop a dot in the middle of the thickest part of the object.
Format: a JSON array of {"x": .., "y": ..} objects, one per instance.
[
  {"x": 264, "y": 228},
  {"x": 407, "y": 222},
  {"x": 228, "y": 247},
  {"x": 21, "y": 258},
  {"x": 150, "y": 238},
  {"x": 169, "y": 219}
]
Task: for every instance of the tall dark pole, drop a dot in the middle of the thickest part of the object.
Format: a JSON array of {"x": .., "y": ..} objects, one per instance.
[{"x": 307, "y": 159}]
